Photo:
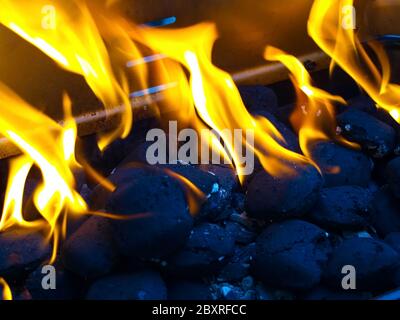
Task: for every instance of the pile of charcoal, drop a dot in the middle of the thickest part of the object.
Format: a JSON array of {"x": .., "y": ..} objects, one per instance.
[{"x": 268, "y": 238}]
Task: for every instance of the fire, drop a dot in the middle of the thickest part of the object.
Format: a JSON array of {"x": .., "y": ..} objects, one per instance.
[
  {"x": 215, "y": 98},
  {"x": 314, "y": 118},
  {"x": 74, "y": 41},
  {"x": 327, "y": 27},
  {"x": 96, "y": 43},
  {"x": 7, "y": 295},
  {"x": 78, "y": 42},
  {"x": 49, "y": 146},
  {"x": 194, "y": 196}
]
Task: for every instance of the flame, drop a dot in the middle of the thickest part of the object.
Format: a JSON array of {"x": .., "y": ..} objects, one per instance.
[
  {"x": 92, "y": 42},
  {"x": 314, "y": 118},
  {"x": 216, "y": 102},
  {"x": 49, "y": 146},
  {"x": 7, "y": 295},
  {"x": 75, "y": 42},
  {"x": 12, "y": 209},
  {"x": 327, "y": 27},
  {"x": 81, "y": 41},
  {"x": 194, "y": 196}
]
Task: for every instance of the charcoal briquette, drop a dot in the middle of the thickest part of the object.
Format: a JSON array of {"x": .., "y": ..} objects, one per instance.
[
  {"x": 291, "y": 255},
  {"x": 21, "y": 252},
  {"x": 216, "y": 182},
  {"x": 385, "y": 212},
  {"x": 188, "y": 290},
  {"x": 323, "y": 293},
  {"x": 239, "y": 264},
  {"x": 361, "y": 103},
  {"x": 290, "y": 139},
  {"x": 227, "y": 178},
  {"x": 156, "y": 218},
  {"x": 207, "y": 183},
  {"x": 259, "y": 98},
  {"x": 342, "y": 208},
  {"x": 241, "y": 234},
  {"x": 392, "y": 173},
  {"x": 342, "y": 166},
  {"x": 375, "y": 137},
  {"x": 272, "y": 197},
  {"x": 67, "y": 285},
  {"x": 393, "y": 240},
  {"x": 374, "y": 262},
  {"x": 207, "y": 250},
  {"x": 203, "y": 180},
  {"x": 145, "y": 285},
  {"x": 90, "y": 251}
]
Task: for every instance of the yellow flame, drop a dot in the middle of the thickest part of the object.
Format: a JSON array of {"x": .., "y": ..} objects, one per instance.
[
  {"x": 75, "y": 42},
  {"x": 7, "y": 295},
  {"x": 83, "y": 41},
  {"x": 194, "y": 196},
  {"x": 12, "y": 208},
  {"x": 215, "y": 97},
  {"x": 329, "y": 28},
  {"x": 82, "y": 38},
  {"x": 314, "y": 118},
  {"x": 70, "y": 131},
  {"x": 49, "y": 146},
  {"x": 396, "y": 115}
]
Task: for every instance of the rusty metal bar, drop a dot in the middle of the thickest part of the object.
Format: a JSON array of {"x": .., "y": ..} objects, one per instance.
[
  {"x": 97, "y": 121},
  {"x": 275, "y": 72}
]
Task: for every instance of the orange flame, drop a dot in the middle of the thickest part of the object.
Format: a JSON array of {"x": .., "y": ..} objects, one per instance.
[
  {"x": 315, "y": 115},
  {"x": 77, "y": 39},
  {"x": 50, "y": 147},
  {"x": 74, "y": 41},
  {"x": 194, "y": 196},
  {"x": 77, "y": 43},
  {"x": 216, "y": 99},
  {"x": 329, "y": 26},
  {"x": 7, "y": 295},
  {"x": 83, "y": 41}
]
